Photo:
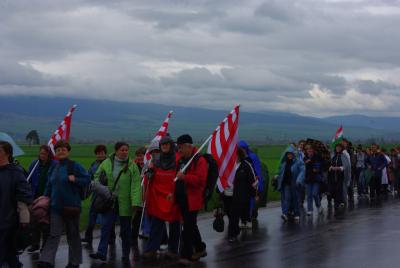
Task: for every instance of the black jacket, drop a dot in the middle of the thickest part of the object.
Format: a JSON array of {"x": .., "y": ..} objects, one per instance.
[
  {"x": 243, "y": 189},
  {"x": 13, "y": 188}
]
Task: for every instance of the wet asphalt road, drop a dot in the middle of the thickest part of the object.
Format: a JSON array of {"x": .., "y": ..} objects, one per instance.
[{"x": 364, "y": 236}]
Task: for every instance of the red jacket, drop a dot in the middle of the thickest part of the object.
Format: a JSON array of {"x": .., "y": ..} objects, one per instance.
[
  {"x": 195, "y": 180},
  {"x": 160, "y": 187}
]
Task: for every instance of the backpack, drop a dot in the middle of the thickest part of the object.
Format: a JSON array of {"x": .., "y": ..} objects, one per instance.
[{"x": 212, "y": 176}]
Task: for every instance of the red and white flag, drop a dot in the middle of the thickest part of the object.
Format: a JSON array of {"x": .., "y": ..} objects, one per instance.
[
  {"x": 160, "y": 133},
  {"x": 223, "y": 147},
  {"x": 63, "y": 130}
]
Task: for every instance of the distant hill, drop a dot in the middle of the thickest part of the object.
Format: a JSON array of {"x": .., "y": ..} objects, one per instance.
[{"x": 100, "y": 120}]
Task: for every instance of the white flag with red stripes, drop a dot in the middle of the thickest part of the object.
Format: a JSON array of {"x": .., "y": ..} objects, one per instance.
[
  {"x": 63, "y": 130},
  {"x": 160, "y": 133},
  {"x": 223, "y": 147}
]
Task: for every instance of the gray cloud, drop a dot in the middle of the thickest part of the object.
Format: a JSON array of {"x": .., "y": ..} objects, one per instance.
[{"x": 300, "y": 56}]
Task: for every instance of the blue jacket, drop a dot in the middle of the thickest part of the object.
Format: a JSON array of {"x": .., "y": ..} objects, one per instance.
[
  {"x": 93, "y": 168},
  {"x": 298, "y": 169},
  {"x": 378, "y": 163},
  {"x": 63, "y": 192},
  {"x": 34, "y": 180},
  {"x": 255, "y": 163}
]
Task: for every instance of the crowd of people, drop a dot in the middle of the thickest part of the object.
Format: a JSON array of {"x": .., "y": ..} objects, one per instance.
[
  {"x": 159, "y": 202},
  {"x": 306, "y": 173}
]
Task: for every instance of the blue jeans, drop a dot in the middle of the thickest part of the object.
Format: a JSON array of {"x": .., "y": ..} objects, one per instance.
[
  {"x": 146, "y": 224},
  {"x": 109, "y": 220},
  {"x": 313, "y": 194},
  {"x": 362, "y": 184},
  {"x": 157, "y": 232},
  {"x": 290, "y": 199},
  {"x": 91, "y": 223}
]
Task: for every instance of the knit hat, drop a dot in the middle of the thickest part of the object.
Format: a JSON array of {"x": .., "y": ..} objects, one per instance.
[
  {"x": 166, "y": 139},
  {"x": 154, "y": 145},
  {"x": 185, "y": 139}
]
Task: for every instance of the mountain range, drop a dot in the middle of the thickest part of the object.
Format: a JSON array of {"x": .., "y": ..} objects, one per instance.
[{"x": 108, "y": 121}]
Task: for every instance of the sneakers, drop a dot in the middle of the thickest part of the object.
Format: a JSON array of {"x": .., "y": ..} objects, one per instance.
[
  {"x": 242, "y": 225},
  {"x": 98, "y": 256},
  {"x": 171, "y": 255},
  {"x": 296, "y": 219},
  {"x": 126, "y": 261},
  {"x": 197, "y": 255},
  {"x": 309, "y": 213},
  {"x": 320, "y": 210},
  {"x": 284, "y": 217},
  {"x": 184, "y": 262},
  {"x": 42, "y": 264},
  {"x": 136, "y": 254},
  {"x": 86, "y": 240},
  {"x": 232, "y": 239},
  {"x": 150, "y": 255},
  {"x": 33, "y": 248}
]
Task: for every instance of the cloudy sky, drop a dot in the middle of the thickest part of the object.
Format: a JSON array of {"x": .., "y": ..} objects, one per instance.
[{"x": 312, "y": 57}]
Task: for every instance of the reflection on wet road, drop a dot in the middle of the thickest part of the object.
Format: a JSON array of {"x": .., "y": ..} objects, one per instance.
[{"x": 364, "y": 236}]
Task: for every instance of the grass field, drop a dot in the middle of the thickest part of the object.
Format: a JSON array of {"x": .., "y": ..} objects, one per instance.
[{"x": 83, "y": 154}]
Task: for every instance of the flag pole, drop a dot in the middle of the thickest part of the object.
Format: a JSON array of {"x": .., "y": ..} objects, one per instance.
[
  {"x": 33, "y": 169},
  {"x": 191, "y": 159},
  {"x": 202, "y": 146},
  {"x": 37, "y": 163}
]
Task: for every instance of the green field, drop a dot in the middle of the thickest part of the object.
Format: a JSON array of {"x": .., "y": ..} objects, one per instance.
[{"x": 83, "y": 153}]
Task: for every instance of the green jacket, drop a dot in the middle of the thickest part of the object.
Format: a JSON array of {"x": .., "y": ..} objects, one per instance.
[{"x": 129, "y": 185}]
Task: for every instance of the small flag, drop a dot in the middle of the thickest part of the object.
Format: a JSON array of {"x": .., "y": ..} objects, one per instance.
[
  {"x": 338, "y": 137},
  {"x": 160, "y": 133},
  {"x": 63, "y": 130}
]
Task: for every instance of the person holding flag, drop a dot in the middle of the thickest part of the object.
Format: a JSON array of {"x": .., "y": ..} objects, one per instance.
[
  {"x": 189, "y": 189},
  {"x": 161, "y": 206}
]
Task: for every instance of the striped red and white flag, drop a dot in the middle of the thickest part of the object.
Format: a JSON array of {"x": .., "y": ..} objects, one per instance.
[
  {"x": 63, "y": 131},
  {"x": 160, "y": 133},
  {"x": 223, "y": 147}
]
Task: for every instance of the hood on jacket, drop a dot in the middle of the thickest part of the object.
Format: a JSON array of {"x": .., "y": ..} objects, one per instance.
[
  {"x": 244, "y": 145},
  {"x": 289, "y": 149}
]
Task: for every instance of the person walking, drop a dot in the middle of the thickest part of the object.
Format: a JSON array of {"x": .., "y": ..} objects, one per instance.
[
  {"x": 189, "y": 194},
  {"x": 66, "y": 181},
  {"x": 361, "y": 159},
  {"x": 100, "y": 152},
  {"x": 244, "y": 189},
  {"x": 339, "y": 177},
  {"x": 161, "y": 206},
  {"x": 313, "y": 178},
  {"x": 376, "y": 163},
  {"x": 15, "y": 194},
  {"x": 38, "y": 181},
  {"x": 128, "y": 199},
  {"x": 290, "y": 179}
]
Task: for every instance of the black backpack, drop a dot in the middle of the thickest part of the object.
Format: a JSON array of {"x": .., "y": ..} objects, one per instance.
[{"x": 212, "y": 176}]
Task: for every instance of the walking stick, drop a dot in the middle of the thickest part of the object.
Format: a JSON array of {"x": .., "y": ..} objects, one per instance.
[{"x": 144, "y": 207}]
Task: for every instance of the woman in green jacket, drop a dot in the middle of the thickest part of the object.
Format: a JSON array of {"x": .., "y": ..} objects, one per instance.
[{"x": 128, "y": 193}]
